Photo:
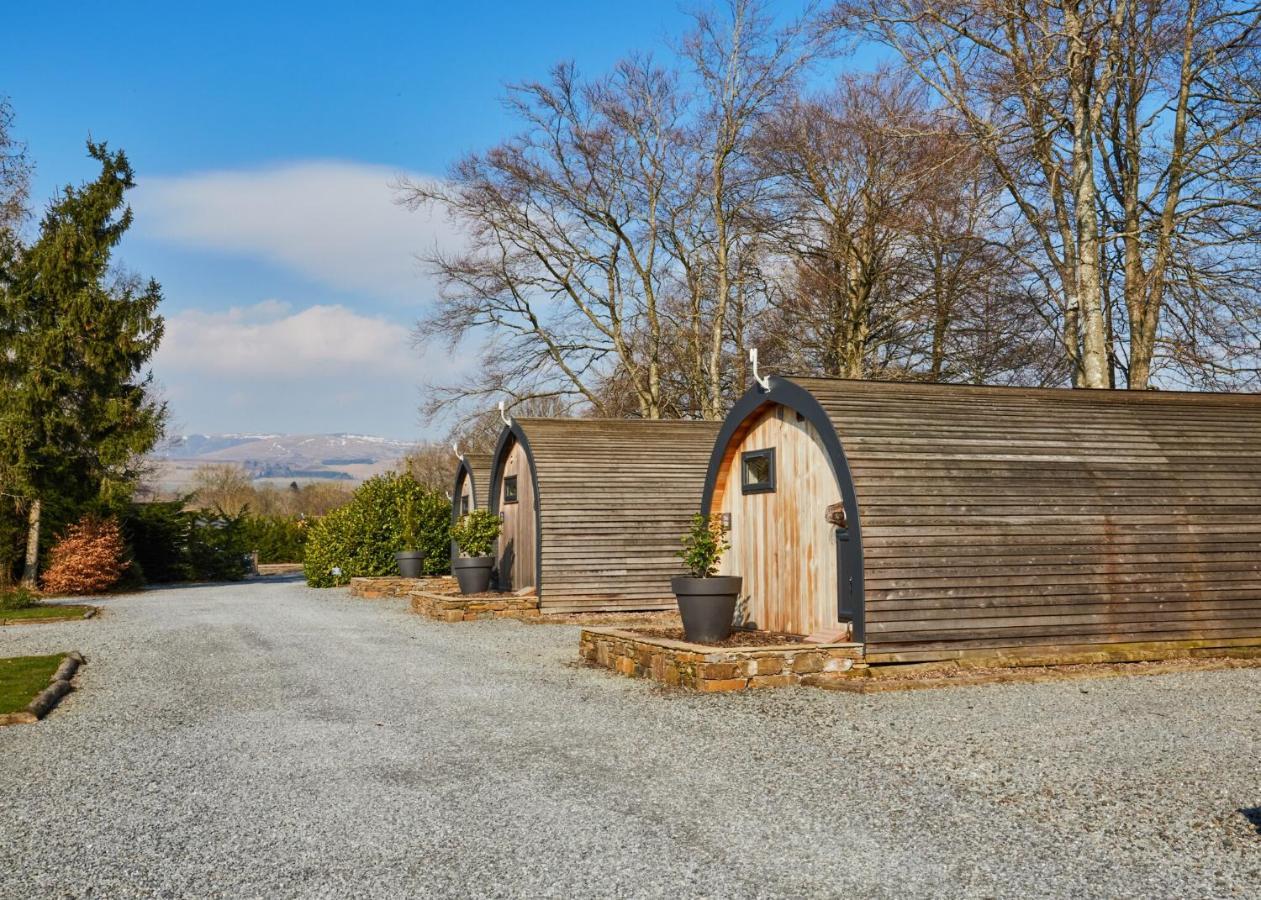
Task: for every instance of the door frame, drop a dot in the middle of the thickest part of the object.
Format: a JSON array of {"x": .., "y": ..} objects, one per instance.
[
  {"x": 850, "y": 599},
  {"x": 515, "y": 432}
]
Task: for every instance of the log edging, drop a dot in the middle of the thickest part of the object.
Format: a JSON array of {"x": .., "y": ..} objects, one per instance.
[
  {"x": 89, "y": 613},
  {"x": 46, "y": 700}
]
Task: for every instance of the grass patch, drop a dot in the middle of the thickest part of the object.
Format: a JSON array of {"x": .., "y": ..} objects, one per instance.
[
  {"x": 22, "y": 677},
  {"x": 44, "y": 611}
]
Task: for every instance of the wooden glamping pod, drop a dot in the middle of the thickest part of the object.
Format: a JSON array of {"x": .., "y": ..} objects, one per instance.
[
  {"x": 945, "y": 522},
  {"x": 472, "y": 484},
  {"x": 594, "y": 509},
  {"x": 471, "y": 489}
]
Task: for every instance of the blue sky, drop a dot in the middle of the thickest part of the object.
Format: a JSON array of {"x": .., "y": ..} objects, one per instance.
[{"x": 264, "y": 137}]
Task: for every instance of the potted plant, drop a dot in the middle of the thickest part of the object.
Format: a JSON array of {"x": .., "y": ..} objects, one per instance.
[
  {"x": 707, "y": 600},
  {"x": 475, "y": 534},
  {"x": 411, "y": 561}
]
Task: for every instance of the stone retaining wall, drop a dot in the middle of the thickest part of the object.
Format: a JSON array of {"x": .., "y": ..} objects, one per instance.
[
  {"x": 393, "y": 586},
  {"x": 471, "y": 607},
  {"x": 704, "y": 668}
]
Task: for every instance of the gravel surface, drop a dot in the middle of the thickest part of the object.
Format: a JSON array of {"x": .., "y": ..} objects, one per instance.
[{"x": 267, "y": 740}]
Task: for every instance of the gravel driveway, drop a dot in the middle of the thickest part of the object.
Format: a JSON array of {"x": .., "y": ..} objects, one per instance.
[{"x": 267, "y": 740}]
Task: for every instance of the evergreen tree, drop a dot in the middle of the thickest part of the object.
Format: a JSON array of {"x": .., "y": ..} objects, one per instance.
[{"x": 76, "y": 409}]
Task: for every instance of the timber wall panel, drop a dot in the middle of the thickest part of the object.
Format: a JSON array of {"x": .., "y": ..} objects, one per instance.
[
  {"x": 615, "y": 498},
  {"x": 473, "y": 478},
  {"x": 1001, "y": 519}
]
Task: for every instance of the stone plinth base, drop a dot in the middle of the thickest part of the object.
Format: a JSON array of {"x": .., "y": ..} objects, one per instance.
[
  {"x": 472, "y": 607},
  {"x": 704, "y": 668},
  {"x": 392, "y": 586}
]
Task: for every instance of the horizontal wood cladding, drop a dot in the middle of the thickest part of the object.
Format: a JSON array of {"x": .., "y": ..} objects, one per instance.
[
  {"x": 614, "y": 499},
  {"x": 476, "y": 466},
  {"x": 1017, "y": 521}
]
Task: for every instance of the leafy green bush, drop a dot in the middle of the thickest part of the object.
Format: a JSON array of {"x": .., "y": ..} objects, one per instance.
[
  {"x": 17, "y": 598},
  {"x": 475, "y": 532},
  {"x": 278, "y": 539},
  {"x": 704, "y": 545},
  {"x": 362, "y": 537}
]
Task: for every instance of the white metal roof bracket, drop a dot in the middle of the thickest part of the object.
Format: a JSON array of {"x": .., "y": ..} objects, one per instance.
[{"x": 763, "y": 383}]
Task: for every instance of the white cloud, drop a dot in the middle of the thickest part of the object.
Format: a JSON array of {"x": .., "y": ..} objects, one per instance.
[
  {"x": 333, "y": 222},
  {"x": 270, "y": 339},
  {"x": 319, "y": 369}
]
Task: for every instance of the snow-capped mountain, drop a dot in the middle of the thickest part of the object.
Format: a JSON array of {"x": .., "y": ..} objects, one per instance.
[
  {"x": 315, "y": 449},
  {"x": 298, "y": 457}
]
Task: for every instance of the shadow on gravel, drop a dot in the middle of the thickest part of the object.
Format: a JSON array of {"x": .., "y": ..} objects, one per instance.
[
  {"x": 296, "y": 578},
  {"x": 1253, "y": 815}
]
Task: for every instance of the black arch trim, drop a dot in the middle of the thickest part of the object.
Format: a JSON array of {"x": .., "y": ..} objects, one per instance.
[
  {"x": 496, "y": 476},
  {"x": 795, "y": 397}
]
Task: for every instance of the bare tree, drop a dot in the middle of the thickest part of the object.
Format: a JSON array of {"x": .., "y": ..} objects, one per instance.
[
  {"x": 1181, "y": 142},
  {"x": 1123, "y": 132},
  {"x": 746, "y": 68},
  {"x": 15, "y": 174},
  {"x": 609, "y": 242},
  {"x": 850, "y": 168},
  {"x": 225, "y": 487},
  {"x": 564, "y": 260},
  {"x": 432, "y": 464}
]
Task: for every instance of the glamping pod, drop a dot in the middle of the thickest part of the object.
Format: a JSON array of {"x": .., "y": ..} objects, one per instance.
[
  {"x": 947, "y": 522},
  {"x": 594, "y": 510},
  {"x": 471, "y": 489},
  {"x": 472, "y": 484}
]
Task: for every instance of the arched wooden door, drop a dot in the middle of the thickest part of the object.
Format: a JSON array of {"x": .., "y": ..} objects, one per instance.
[
  {"x": 518, "y": 540},
  {"x": 777, "y": 485}
]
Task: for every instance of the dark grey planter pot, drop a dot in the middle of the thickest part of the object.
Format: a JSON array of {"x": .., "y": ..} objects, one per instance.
[
  {"x": 473, "y": 573},
  {"x": 411, "y": 563},
  {"x": 707, "y": 605}
]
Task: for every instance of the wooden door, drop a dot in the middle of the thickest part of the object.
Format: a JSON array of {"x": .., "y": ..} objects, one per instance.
[
  {"x": 518, "y": 541},
  {"x": 782, "y": 543}
]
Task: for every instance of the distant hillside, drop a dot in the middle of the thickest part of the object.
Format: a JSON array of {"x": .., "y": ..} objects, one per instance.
[
  {"x": 190, "y": 446},
  {"x": 288, "y": 457}
]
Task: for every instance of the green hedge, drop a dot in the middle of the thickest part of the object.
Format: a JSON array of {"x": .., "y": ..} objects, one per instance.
[
  {"x": 362, "y": 537},
  {"x": 278, "y": 539},
  {"x": 169, "y": 543}
]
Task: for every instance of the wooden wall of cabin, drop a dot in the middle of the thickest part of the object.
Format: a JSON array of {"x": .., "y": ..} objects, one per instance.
[
  {"x": 615, "y": 499},
  {"x": 1005, "y": 523},
  {"x": 518, "y": 540},
  {"x": 781, "y": 542}
]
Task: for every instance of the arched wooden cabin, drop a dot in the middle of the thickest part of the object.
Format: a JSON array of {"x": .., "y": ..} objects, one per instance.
[
  {"x": 472, "y": 484},
  {"x": 949, "y": 522},
  {"x": 594, "y": 509},
  {"x": 471, "y": 489}
]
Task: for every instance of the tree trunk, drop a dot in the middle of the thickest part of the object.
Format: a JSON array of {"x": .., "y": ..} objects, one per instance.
[
  {"x": 1087, "y": 281},
  {"x": 1094, "y": 349},
  {"x": 30, "y": 571}
]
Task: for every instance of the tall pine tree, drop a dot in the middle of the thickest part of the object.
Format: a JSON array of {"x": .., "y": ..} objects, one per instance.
[{"x": 76, "y": 408}]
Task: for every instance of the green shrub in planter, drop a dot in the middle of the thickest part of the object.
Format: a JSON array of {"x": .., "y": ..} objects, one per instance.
[
  {"x": 475, "y": 533},
  {"x": 361, "y": 538},
  {"x": 703, "y": 546}
]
